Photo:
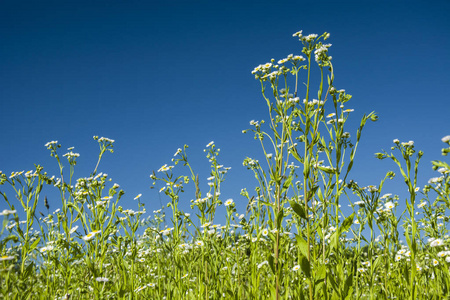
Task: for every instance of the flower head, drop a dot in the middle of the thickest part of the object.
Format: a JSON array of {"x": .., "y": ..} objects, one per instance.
[
  {"x": 102, "y": 279},
  {"x": 90, "y": 235},
  {"x": 5, "y": 257},
  {"x": 7, "y": 212},
  {"x": 436, "y": 242},
  {"x": 229, "y": 202},
  {"x": 389, "y": 205},
  {"x": 422, "y": 204},
  {"x": 446, "y": 139}
]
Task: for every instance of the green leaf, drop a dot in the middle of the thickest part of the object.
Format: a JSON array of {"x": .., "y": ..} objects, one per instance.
[
  {"x": 271, "y": 263},
  {"x": 377, "y": 262},
  {"x": 280, "y": 218},
  {"x": 302, "y": 245},
  {"x": 319, "y": 194},
  {"x": 333, "y": 283},
  {"x": 349, "y": 293},
  {"x": 29, "y": 270},
  {"x": 408, "y": 239},
  {"x": 298, "y": 209},
  {"x": 405, "y": 273},
  {"x": 286, "y": 184},
  {"x": 306, "y": 168},
  {"x": 347, "y": 223},
  {"x": 334, "y": 240},
  {"x": 319, "y": 285},
  {"x": 35, "y": 243},
  {"x": 321, "y": 273},
  {"x": 306, "y": 268},
  {"x": 348, "y": 284},
  {"x": 295, "y": 155}
]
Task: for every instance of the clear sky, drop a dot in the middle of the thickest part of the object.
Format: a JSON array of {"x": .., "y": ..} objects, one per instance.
[{"x": 155, "y": 75}]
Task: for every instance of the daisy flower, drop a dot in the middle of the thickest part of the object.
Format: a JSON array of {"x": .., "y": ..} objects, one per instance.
[
  {"x": 90, "y": 235},
  {"x": 228, "y": 202}
]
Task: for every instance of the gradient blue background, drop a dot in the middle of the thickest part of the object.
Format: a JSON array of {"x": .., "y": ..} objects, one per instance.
[{"x": 155, "y": 75}]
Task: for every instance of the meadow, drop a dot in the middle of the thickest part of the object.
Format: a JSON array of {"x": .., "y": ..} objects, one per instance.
[{"x": 292, "y": 242}]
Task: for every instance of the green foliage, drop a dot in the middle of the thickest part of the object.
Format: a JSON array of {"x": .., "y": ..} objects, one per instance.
[{"x": 292, "y": 242}]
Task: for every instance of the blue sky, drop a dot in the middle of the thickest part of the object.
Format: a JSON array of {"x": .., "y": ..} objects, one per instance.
[{"x": 155, "y": 75}]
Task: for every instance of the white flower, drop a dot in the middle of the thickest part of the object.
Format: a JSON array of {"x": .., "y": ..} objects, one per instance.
[
  {"x": 90, "y": 235},
  {"x": 434, "y": 180},
  {"x": 265, "y": 232},
  {"x": 207, "y": 224},
  {"x": 296, "y": 268},
  {"x": 102, "y": 279},
  {"x": 228, "y": 202},
  {"x": 422, "y": 204},
  {"x": 298, "y": 33},
  {"x": 446, "y": 139},
  {"x": 401, "y": 251},
  {"x": 104, "y": 139},
  {"x": 178, "y": 152},
  {"x": 5, "y": 257},
  {"x": 7, "y": 212},
  {"x": 443, "y": 170},
  {"x": 166, "y": 231},
  {"x": 137, "y": 197},
  {"x": 46, "y": 248},
  {"x": 389, "y": 205},
  {"x": 262, "y": 264},
  {"x": 442, "y": 253},
  {"x": 436, "y": 242},
  {"x": 360, "y": 203},
  {"x": 49, "y": 144},
  {"x": 73, "y": 229},
  {"x": 210, "y": 144},
  {"x": 386, "y": 196},
  {"x": 165, "y": 168},
  {"x": 199, "y": 243}
]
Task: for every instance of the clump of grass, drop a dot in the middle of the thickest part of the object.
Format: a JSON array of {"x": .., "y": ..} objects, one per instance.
[{"x": 292, "y": 242}]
